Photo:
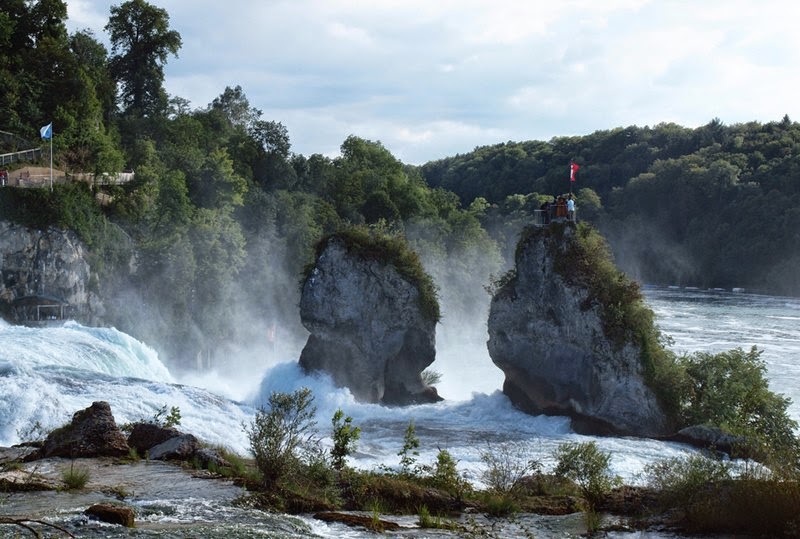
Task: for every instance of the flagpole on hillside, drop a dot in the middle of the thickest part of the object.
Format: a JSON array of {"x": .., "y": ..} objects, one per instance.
[
  {"x": 51, "y": 159},
  {"x": 47, "y": 133}
]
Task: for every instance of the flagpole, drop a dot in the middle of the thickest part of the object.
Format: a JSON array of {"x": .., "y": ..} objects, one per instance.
[{"x": 51, "y": 160}]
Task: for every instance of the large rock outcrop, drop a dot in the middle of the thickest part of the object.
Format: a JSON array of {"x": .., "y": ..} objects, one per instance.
[
  {"x": 369, "y": 328},
  {"x": 50, "y": 262},
  {"x": 549, "y": 337}
]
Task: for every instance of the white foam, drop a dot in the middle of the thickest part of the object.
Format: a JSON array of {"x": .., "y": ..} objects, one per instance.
[{"x": 47, "y": 374}]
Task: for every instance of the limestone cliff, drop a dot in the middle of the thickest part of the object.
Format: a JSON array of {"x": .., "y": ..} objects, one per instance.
[
  {"x": 558, "y": 341},
  {"x": 370, "y": 328},
  {"x": 48, "y": 262}
]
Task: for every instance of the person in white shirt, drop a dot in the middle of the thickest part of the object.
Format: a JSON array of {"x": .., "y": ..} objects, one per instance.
[{"x": 570, "y": 208}]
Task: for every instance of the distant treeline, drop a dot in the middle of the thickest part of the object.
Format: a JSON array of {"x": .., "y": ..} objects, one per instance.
[{"x": 715, "y": 206}]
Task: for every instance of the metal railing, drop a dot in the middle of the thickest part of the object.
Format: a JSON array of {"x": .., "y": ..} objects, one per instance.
[
  {"x": 28, "y": 180},
  {"x": 24, "y": 155},
  {"x": 118, "y": 178}
]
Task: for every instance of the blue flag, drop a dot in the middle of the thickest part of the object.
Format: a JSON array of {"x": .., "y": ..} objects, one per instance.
[{"x": 47, "y": 131}]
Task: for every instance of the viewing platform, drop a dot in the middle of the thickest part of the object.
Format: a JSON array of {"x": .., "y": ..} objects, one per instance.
[
  {"x": 33, "y": 177},
  {"x": 554, "y": 212}
]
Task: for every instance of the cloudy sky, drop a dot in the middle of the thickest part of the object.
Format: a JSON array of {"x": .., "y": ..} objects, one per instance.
[{"x": 433, "y": 78}]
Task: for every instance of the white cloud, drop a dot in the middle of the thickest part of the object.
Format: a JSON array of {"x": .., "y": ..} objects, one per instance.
[
  {"x": 431, "y": 79},
  {"x": 87, "y": 14}
]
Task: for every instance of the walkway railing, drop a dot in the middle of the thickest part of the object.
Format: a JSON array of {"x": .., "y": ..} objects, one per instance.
[
  {"x": 24, "y": 155},
  {"x": 28, "y": 180}
]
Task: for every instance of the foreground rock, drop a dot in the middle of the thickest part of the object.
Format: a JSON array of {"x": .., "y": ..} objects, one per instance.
[
  {"x": 548, "y": 337},
  {"x": 369, "y": 327},
  {"x": 92, "y": 433},
  {"x": 112, "y": 513}
]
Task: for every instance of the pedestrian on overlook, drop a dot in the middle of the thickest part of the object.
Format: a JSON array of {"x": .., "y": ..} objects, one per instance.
[
  {"x": 570, "y": 208},
  {"x": 561, "y": 208}
]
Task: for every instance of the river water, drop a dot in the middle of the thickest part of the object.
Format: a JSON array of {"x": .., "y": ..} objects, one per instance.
[{"x": 47, "y": 374}]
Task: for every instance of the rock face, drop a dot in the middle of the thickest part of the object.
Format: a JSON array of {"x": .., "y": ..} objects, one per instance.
[
  {"x": 92, "y": 433},
  {"x": 548, "y": 338},
  {"x": 368, "y": 330},
  {"x": 47, "y": 263}
]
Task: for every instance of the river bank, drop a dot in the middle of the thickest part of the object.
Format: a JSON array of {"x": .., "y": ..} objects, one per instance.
[{"x": 174, "y": 500}]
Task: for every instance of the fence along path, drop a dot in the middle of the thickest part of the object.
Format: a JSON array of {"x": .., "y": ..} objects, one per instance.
[{"x": 23, "y": 155}]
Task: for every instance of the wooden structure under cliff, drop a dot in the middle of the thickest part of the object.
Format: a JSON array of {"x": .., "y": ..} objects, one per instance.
[{"x": 39, "y": 310}]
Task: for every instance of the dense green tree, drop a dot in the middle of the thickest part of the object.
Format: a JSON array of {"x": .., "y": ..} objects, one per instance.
[
  {"x": 141, "y": 42},
  {"x": 35, "y": 63},
  {"x": 92, "y": 57},
  {"x": 235, "y": 108},
  {"x": 216, "y": 185},
  {"x": 730, "y": 390}
]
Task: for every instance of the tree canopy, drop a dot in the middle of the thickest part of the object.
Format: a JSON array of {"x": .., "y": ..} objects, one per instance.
[{"x": 141, "y": 41}]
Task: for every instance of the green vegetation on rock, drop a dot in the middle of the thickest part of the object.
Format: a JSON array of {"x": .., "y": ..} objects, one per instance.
[{"x": 370, "y": 243}]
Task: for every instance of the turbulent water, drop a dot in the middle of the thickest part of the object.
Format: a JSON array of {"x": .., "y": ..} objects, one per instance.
[{"x": 46, "y": 374}]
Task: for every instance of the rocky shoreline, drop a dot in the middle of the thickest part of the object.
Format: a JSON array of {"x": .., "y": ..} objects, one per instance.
[{"x": 178, "y": 486}]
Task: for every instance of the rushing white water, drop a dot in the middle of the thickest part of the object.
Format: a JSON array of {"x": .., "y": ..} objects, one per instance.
[{"x": 46, "y": 374}]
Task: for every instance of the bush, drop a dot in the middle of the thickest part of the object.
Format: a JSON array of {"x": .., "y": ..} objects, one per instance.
[
  {"x": 280, "y": 432},
  {"x": 589, "y": 467},
  {"x": 730, "y": 390},
  {"x": 712, "y": 499},
  {"x": 445, "y": 476},
  {"x": 167, "y": 420},
  {"x": 408, "y": 454},
  {"x": 684, "y": 481},
  {"x": 430, "y": 377},
  {"x": 345, "y": 437},
  {"x": 506, "y": 467}
]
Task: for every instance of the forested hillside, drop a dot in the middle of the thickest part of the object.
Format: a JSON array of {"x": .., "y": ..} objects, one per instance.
[
  {"x": 222, "y": 215},
  {"x": 715, "y": 206}
]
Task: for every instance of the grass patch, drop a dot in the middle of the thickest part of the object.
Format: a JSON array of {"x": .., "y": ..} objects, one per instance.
[
  {"x": 76, "y": 477},
  {"x": 499, "y": 504},
  {"x": 711, "y": 499},
  {"x": 426, "y": 520}
]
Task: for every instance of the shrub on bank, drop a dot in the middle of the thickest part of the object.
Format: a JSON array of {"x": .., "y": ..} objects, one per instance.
[{"x": 711, "y": 497}]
